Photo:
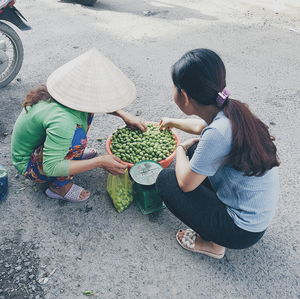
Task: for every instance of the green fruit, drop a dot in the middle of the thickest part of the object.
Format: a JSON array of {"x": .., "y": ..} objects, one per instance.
[{"x": 134, "y": 146}]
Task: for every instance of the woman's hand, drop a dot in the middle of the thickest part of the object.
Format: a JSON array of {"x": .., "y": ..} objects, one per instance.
[
  {"x": 112, "y": 164},
  {"x": 188, "y": 143},
  {"x": 134, "y": 123},
  {"x": 165, "y": 123},
  {"x": 130, "y": 120},
  {"x": 190, "y": 125}
]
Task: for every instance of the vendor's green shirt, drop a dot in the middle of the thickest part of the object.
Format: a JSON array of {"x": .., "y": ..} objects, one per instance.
[{"x": 51, "y": 124}]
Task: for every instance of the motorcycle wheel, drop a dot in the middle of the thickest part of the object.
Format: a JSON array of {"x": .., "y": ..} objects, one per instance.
[{"x": 13, "y": 51}]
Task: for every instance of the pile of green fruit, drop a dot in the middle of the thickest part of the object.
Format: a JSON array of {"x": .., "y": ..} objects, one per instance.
[
  {"x": 123, "y": 198},
  {"x": 134, "y": 145}
]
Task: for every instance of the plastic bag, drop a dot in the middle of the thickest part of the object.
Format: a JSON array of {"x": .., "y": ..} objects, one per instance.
[{"x": 119, "y": 189}]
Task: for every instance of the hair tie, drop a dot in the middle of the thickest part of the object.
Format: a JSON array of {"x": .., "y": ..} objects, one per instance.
[{"x": 222, "y": 97}]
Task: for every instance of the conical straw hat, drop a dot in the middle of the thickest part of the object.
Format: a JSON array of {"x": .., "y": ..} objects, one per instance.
[{"x": 91, "y": 83}]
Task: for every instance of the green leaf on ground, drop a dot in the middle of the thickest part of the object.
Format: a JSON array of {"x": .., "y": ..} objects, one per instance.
[{"x": 88, "y": 293}]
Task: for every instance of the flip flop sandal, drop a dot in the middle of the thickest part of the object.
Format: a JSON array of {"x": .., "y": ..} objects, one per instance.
[
  {"x": 188, "y": 243},
  {"x": 72, "y": 195},
  {"x": 89, "y": 153}
]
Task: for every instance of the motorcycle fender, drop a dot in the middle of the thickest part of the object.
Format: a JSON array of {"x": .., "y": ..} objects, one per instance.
[{"x": 12, "y": 15}]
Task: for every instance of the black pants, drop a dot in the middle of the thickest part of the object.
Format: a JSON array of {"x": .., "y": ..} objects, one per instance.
[{"x": 202, "y": 211}]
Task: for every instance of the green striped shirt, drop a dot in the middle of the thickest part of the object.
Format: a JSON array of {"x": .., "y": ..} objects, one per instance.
[{"x": 51, "y": 124}]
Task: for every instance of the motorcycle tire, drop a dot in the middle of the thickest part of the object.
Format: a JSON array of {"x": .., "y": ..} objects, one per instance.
[
  {"x": 12, "y": 35},
  {"x": 87, "y": 2}
]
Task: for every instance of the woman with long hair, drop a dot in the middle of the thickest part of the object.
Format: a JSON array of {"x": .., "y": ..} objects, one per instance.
[
  {"x": 50, "y": 135},
  {"x": 225, "y": 183}
]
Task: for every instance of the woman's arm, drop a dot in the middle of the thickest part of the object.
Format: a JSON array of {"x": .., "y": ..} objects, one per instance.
[
  {"x": 209, "y": 156},
  {"x": 187, "y": 179},
  {"x": 110, "y": 163},
  {"x": 66, "y": 167},
  {"x": 59, "y": 135},
  {"x": 130, "y": 120},
  {"x": 190, "y": 125}
]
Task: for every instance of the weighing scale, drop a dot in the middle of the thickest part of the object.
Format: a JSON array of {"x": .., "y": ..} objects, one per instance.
[{"x": 144, "y": 175}]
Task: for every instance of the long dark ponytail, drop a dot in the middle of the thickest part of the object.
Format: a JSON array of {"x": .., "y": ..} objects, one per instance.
[{"x": 201, "y": 73}]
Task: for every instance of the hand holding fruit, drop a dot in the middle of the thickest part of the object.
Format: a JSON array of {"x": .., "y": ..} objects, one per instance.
[
  {"x": 134, "y": 123},
  {"x": 165, "y": 123},
  {"x": 130, "y": 120}
]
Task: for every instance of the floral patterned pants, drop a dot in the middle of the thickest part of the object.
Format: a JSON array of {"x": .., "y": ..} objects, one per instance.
[{"x": 34, "y": 169}]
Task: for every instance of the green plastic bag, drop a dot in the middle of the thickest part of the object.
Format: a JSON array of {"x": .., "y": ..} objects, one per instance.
[{"x": 119, "y": 189}]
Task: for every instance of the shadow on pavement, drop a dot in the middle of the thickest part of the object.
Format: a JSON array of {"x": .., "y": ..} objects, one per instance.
[{"x": 158, "y": 9}]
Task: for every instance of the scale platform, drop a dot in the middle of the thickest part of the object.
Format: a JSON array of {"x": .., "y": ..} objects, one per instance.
[{"x": 144, "y": 175}]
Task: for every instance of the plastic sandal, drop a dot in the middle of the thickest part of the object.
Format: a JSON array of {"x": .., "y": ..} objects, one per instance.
[
  {"x": 188, "y": 243},
  {"x": 89, "y": 153},
  {"x": 72, "y": 195}
]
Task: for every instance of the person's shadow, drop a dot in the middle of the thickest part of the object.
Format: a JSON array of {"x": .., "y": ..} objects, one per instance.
[
  {"x": 158, "y": 9},
  {"x": 82, "y": 2}
]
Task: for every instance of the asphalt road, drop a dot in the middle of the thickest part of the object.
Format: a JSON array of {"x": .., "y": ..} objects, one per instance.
[{"x": 51, "y": 249}]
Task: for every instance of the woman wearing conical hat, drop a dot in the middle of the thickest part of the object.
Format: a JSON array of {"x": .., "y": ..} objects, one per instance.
[{"x": 49, "y": 137}]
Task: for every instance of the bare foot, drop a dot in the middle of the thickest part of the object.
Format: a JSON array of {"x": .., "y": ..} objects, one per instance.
[
  {"x": 65, "y": 189},
  {"x": 203, "y": 245}
]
